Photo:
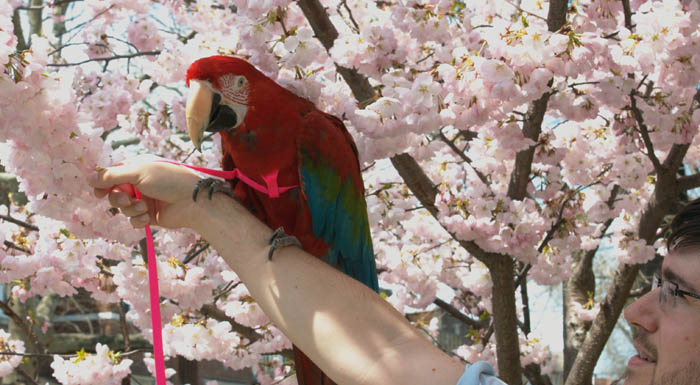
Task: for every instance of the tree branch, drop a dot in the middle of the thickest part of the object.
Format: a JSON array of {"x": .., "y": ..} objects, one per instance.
[
  {"x": 35, "y": 19},
  {"x": 451, "y": 310},
  {"x": 195, "y": 253},
  {"x": 18, "y": 222},
  {"x": 627, "y": 10},
  {"x": 644, "y": 132},
  {"x": 689, "y": 182},
  {"x": 26, "y": 376},
  {"x": 526, "y": 307},
  {"x": 17, "y": 25},
  {"x": 14, "y": 246},
  {"x": 533, "y": 372},
  {"x": 106, "y": 59},
  {"x": 532, "y": 127},
  {"x": 424, "y": 190},
  {"x": 25, "y": 328},
  {"x": 68, "y": 356},
  {"x": 464, "y": 157},
  {"x": 326, "y": 33},
  {"x": 577, "y": 288},
  {"x": 210, "y": 310},
  {"x": 674, "y": 159},
  {"x": 124, "y": 326},
  {"x": 52, "y": 5},
  {"x": 556, "y": 17},
  {"x": 524, "y": 11},
  {"x": 344, "y": 3}
]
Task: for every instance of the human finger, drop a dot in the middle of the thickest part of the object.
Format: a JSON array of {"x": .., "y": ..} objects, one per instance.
[
  {"x": 101, "y": 192},
  {"x": 121, "y": 174},
  {"x": 136, "y": 209},
  {"x": 119, "y": 199},
  {"x": 140, "y": 220}
]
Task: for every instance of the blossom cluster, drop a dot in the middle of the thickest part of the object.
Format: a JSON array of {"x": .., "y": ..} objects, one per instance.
[
  {"x": 9, "y": 362},
  {"x": 454, "y": 83},
  {"x": 103, "y": 367}
]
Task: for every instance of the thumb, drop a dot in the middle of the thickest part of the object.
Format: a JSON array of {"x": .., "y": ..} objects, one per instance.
[
  {"x": 120, "y": 174},
  {"x": 129, "y": 172}
]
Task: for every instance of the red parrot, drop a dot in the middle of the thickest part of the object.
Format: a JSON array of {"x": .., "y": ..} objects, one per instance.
[{"x": 278, "y": 138}]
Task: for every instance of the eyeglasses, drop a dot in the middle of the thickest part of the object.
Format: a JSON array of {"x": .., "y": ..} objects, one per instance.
[{"x": 669, "y": 291}]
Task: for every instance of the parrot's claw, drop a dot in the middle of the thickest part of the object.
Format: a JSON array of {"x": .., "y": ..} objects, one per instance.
[
  {"x": 212, "y": 185},
  {"x": 281, "y": 239}
]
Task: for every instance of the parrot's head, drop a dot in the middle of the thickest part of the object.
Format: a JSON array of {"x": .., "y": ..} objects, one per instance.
[{"x": 221, "y": 92}]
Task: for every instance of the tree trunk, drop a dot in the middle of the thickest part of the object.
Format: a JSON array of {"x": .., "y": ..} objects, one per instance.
[
  {"x": 505, "y": 321},
  {"x": 35, "y": 19},
  {"x": 17, "y": 26},
  {"x": 188, "y": 371},
  {"x": 576, "y": 291}
]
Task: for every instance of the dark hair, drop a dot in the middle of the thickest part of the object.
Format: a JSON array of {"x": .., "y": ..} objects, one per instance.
[{"x": 684, "y": 230}]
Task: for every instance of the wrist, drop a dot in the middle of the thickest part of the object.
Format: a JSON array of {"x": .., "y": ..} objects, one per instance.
[{"x": 228, "y": 226}]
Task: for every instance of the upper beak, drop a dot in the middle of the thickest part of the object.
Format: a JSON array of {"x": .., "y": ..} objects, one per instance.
[{"x": 197, "y": 111}]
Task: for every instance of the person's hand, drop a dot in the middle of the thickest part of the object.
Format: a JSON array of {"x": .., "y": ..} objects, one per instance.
[{"x": 166, "y": 192}]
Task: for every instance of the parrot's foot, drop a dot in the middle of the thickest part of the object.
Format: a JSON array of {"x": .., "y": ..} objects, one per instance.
[
  {"x": 212, "y": 185},
  {"x": 281, "y": 239}
]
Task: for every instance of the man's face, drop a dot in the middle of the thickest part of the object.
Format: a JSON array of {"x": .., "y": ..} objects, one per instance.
[{"x": 667, "y": 334}]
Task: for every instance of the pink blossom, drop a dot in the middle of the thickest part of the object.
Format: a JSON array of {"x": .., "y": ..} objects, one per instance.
[
  {"x": 143, "y": 33},
  {"x": 467, "y": 74},
  {"x": 100, "y": 367},
  {"x": 9, "y": 362}
]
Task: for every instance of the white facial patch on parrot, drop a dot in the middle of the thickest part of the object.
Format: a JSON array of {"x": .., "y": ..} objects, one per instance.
[{"x": 235, "y": 88}]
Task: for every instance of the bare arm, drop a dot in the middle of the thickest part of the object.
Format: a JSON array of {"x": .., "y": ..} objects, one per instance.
[{"x": 345, "y": 328}]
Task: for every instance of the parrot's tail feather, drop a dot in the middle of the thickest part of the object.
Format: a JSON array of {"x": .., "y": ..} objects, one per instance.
[{"x": 307, "y": 372}]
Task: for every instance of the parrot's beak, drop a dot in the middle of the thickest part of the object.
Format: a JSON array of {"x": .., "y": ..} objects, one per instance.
[
  {"x": 198, "y": 108},
  {"x": 206, "y": 112}
]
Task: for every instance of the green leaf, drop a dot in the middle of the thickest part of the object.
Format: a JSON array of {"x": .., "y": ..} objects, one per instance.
[{"x": 81, "y": 356}]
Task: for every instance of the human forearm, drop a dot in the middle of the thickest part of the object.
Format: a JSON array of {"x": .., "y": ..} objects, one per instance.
[{"x": 344, "y": 327}]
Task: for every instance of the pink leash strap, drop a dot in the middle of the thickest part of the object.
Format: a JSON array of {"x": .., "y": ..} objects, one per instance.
[
  {"x": 271, "y": 189},
  {"x": 155, "y": 304}
]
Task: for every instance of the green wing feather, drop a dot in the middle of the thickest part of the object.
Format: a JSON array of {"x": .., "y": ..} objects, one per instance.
[{"x": 332, "y": 184}]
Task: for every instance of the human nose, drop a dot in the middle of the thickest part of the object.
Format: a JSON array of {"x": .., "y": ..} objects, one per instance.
[{"x": 644, "y": 311}]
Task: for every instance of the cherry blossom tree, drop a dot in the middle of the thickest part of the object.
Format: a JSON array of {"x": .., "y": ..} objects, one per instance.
[{"x": 503, "y": 142}]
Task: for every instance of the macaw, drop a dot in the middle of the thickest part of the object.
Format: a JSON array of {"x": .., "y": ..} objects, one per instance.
[{"x": 277, "y": 138}]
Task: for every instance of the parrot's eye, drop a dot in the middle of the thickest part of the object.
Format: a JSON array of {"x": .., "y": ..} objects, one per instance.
[{"x": 241, "y": 81}]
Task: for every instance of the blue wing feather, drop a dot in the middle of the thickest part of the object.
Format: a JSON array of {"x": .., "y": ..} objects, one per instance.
[
  {"x": 339, "y": 220},
  {"x": 337, "y": 204}
]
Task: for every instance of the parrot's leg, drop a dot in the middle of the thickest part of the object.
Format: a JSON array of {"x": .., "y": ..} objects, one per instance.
[
  {"x": 212, "y": 185},
  {"x": 281, "y": 239}
]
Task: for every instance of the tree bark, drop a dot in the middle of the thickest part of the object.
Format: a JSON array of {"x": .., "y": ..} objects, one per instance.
[
  {"x": 17, "y": 26},
  {"x": 576, "y": 291},
  {"x": 188, "y": 371},
  {"x": 505, "y": 320},
  {"x": 35, "y": 19},
  {"x": 326, "y": 33},
  {"x": 556, "y": 17},
  {"x": 532, "y": 127}
]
